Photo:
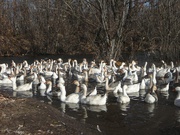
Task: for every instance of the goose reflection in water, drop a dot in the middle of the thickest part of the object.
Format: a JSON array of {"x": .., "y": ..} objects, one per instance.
[
  {"x": 164, "y": 94},
  {"x": 19, "y": 83},
  {"x": 134, "y": 95},
  {"x": 97, "y": 108},
  {"x": 22, "y": 94},
  {"x": 73, "y": 106},
  {"x": 84, "y": 114},
  {"x": 124, "y": 107},
  {"x": 63, "y": 107},
  {"x": 177, "y": 115},
  {"x": 142, "y": 94},
  {"x": 150, "y": 109}
]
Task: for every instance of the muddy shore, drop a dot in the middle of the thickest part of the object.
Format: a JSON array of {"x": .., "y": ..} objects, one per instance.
[{"x": 31, "y": 117}]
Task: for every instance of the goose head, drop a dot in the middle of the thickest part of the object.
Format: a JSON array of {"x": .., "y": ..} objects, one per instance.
[
  {"x": 48, "y": 82},
  {"x": 154, "y": 88},
  {"x": 177, "y": 89},
  {"x": 84, "y": 87},
  {"x": 125, "y": 87},
  {"x": 12, "y": 78},
  {"x": 122, "y": 65},
  {"x": 61, "y": 86},
  {"x": 76, "y": 82}
]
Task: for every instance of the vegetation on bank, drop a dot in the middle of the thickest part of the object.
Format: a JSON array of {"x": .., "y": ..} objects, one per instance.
[{"x": 104, "y": 28}]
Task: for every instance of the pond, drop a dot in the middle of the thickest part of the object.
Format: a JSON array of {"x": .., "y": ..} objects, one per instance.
[{"x": 136, "y": 117}]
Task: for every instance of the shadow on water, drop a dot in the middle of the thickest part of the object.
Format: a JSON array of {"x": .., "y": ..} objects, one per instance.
[{"x": 135, "y": 117}]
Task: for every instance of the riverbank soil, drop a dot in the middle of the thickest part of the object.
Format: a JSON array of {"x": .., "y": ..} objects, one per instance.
[{"x": 29, "y": 116}]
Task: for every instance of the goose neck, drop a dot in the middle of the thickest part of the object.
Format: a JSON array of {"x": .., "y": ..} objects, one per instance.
[
  {"x": 63, "y": 93},
  {"x": 145, "y": 65},
  {"x": 124, "y": 91},
  {"x": 111, "y": 61},
  {"x": 69, "y": 62},
  {"x": 77, "y": 90},
  {"x": 113, "y": 64},
  {"x": 178, "y": 95},
  {"x": 125, "y": 71},
  {"x": 86, "y": 76},
  {"x": 177, "y": 76},
  {"x": 172, "y": 64},
  {"x": 107, "y": 83},
  {"x": 84, "y": 91},
  {"x": 49, "y": 87},
  {"x": 14, "y": 84},
  {"x": 154, "y": 77}
]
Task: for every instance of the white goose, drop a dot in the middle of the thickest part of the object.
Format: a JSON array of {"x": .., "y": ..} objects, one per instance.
[
  {"x": 130, "y": 78},
  {"x": 135, "y": 67},
  {"x": 151, "y": 97},
  {"x": 99, "y": 78},
  {"x": 144, "y": 85},
  {"x": 54, "y": 75},
  {"x": 94, "y": 70},
  {"x": 114, "y": 68},
  {"x": 72, "y": 98},
  {"x": 143, "y": 71},
  {"x": 77, "y": 90},
  {"x": 162, "y": 71},
  {"x": 132, "y": 88},
  {"x": 83, "y": 76},
  {"x": 146, "y": 81},
  {"x": 60, "y": 81},
  {"x": 35, "y": 80},
  {"x": 20, "y": 75},
  {"x": 42, "y": 84},
  {"x": 93, "y": 92},
  {"x": 5, "y": 80},
  {"x": 92, "y": 99},
  {"x": 163, "y": 86},
  {"x": 49, "y": 90},
  {"x": 117, "y": 90},
  {"x": 112, "y": 86},
  {"x": 177, "y": 100},
  {"x": 24, "y": 87},
  {"x": 124, "y": 98}
]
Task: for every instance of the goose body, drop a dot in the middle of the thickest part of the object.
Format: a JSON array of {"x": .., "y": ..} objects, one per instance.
[
  {"x": 130, "y": 78},
  {"x": 144, "y": 85},
  {"x": 54, "y": 75},
  {"x": 133, "y": 88},
  {"x": 118, "y": 89},
  {"x": 48, "y": 73},
  {"x": 60, "y": 81},
  {"x": 163, "y": 87},
  {"x": 151, "y": 96},
  {"x": 93, "y": 99},
  {"x": 24, "y": 87},
  {"x": 177, "y": 100},
  {"x": 35, "y": 80},
  {"x": 93, "y": 92},
  {"x": 124, "y": 98},
  {"x": 72, "y": 98},
  {"x": 42, "y": 84},
  {"x": 112, "y": 86},
  {"x": 50, "y": 92},
  {"x": 5, "y": 81},
  {"x": 20, "y": 78}
]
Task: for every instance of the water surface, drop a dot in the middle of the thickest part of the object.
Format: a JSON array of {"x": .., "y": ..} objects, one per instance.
[{"x": 136, "y": 117}]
